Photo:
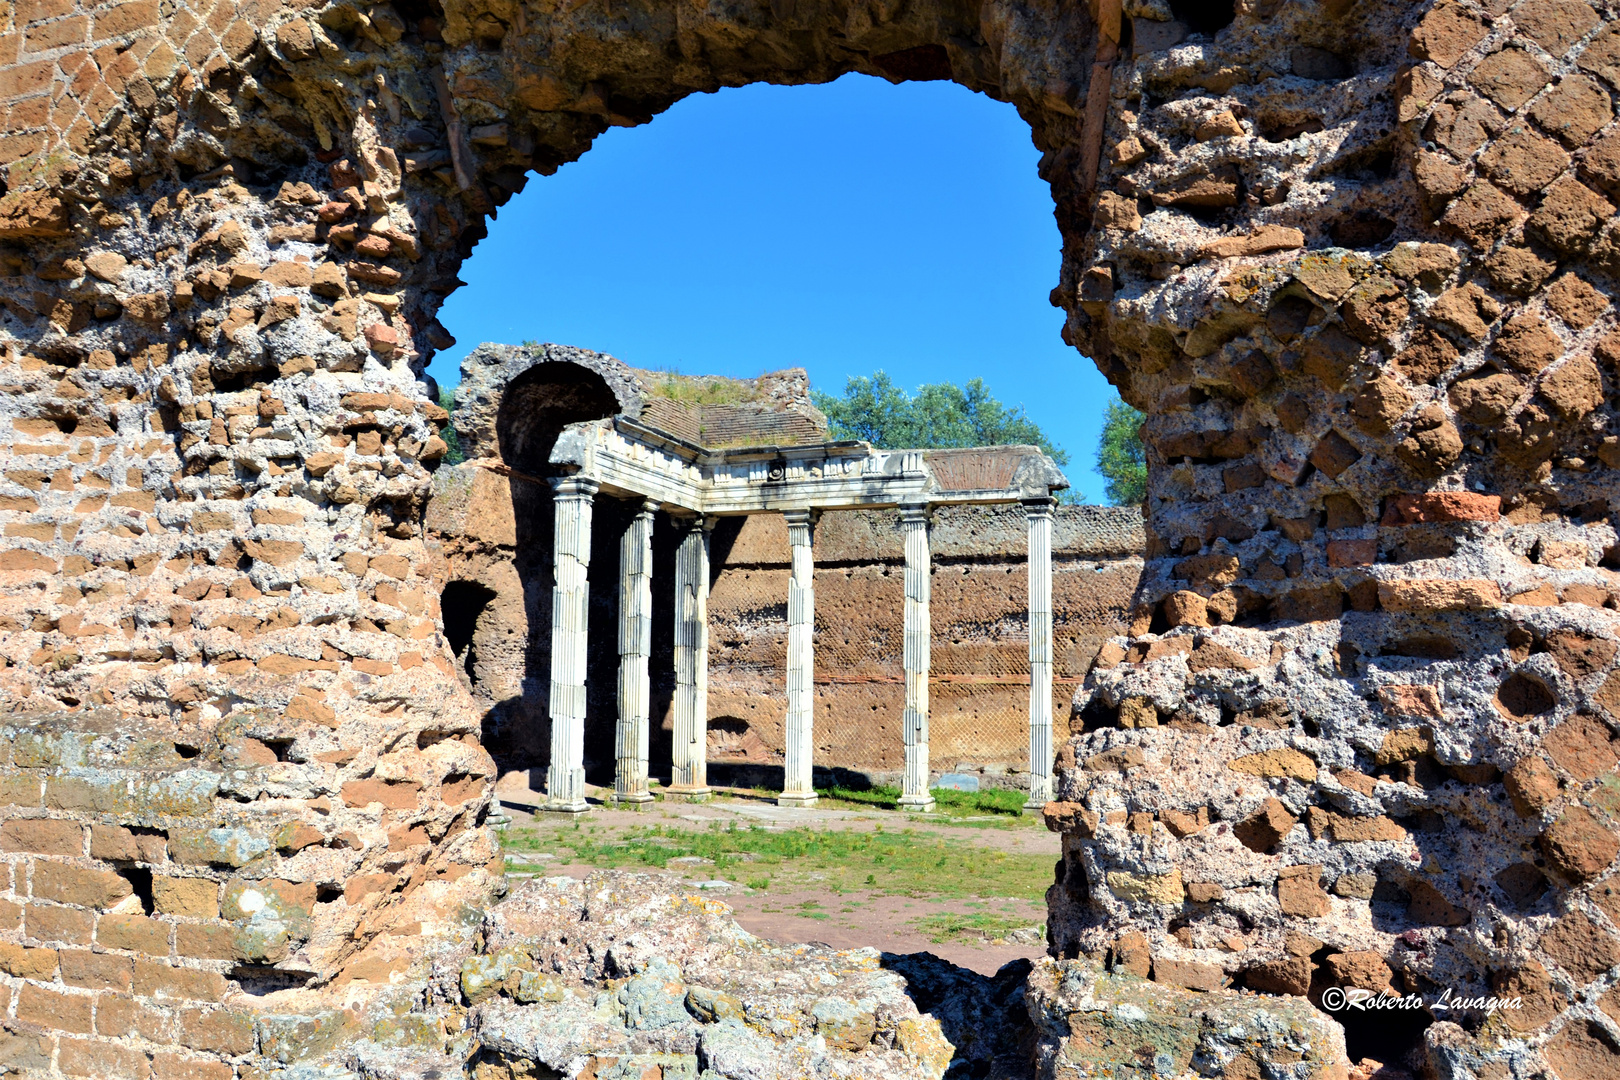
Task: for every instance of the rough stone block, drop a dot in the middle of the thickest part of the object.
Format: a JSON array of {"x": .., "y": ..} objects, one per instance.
[
  {"x": 136, "y": 933},
  {"x": 83, "y": 888},
  {"x": 42, "y": 836},
  {"x": 196, "y": 898},
  {"x": 55, "y": 1009}
]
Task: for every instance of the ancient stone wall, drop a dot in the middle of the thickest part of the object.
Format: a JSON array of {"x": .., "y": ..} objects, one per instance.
[
  {"x": 979, "y": 705},
  {"x": 1353, "y": 259},
  {"x": 979, "y": 689}
]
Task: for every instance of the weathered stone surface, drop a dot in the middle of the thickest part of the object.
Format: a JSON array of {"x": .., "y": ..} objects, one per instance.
[
  {"x": 1085, "y": 1019},
  {"x": 1578, "y": 845},
  {"x": 205, "y": 365}
]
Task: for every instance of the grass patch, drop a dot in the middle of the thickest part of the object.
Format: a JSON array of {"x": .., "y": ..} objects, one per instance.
[
  {"x": 894, "y": 862},
  {"x": 970, "y": 926},
  {"x": 700, "y": 389},
  {"x": 991, "y": 801}
]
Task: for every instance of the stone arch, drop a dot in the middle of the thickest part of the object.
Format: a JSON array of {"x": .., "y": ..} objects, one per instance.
[{"x": 1355, "y": 261}]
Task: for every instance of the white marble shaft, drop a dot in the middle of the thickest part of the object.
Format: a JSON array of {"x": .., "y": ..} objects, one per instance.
[
  {"x": 797, "y": 787},
  {"x": 635, "y": 648},
  {"x": 689, "y": 772},
  {"x": 1039, "y": 513},
  {"x": 914, "y": 794},
  {"x": 570, "y": 604}
]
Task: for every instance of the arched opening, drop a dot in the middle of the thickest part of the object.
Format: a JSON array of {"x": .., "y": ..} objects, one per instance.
[
  {"x": 883, "y": 284},
  {"x": 539, "y": 404}
]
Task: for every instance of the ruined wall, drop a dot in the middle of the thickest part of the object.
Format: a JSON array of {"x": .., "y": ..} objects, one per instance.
[
  {"x": 979, "y": 698},
  {"x": 979, "y": 693},
  {"x": 1354, "y": 260}
]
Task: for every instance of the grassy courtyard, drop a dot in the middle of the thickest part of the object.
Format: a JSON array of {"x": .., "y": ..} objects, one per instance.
[{"x": 974, "y": 872}]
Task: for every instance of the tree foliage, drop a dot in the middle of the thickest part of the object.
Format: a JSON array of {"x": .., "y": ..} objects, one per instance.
[
  {"x": 1119, "y": 454},
  {"x": 939, "y": 415},
  {"x": 455, "y": 455}
]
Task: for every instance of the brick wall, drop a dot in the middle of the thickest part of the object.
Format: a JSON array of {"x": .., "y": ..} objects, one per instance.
[{"x": 146, "y": 883}]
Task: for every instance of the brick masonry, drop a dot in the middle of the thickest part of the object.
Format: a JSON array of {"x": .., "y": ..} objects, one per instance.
[{"x": 1355, "y": 262}]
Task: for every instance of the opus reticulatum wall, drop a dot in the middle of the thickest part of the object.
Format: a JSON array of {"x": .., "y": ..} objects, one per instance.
[{"x": 1354, "y": 260}]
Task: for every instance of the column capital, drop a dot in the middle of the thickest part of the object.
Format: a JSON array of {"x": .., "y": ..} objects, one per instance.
[
  {"x": 574, "y": 484},
  {"x": 801, "y": 515},
  {"x": 916, "y": 512},
  {"x": 1040, "y": 506},
  {"x": 649, "y": 507},
  {"x": 690, "y": 519}
]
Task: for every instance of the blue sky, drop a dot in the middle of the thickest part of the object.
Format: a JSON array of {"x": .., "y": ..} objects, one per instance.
[{"x": 842, "y": 228}]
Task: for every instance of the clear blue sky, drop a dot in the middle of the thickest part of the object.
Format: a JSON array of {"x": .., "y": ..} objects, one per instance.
[{"x": 842, "y": 228}]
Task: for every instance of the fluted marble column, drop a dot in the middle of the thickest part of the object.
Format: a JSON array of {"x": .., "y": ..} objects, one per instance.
[
  {"x": 570, "y": 604},
  {"x": 689, "y": 774},
  {"x": 798, "y": 788},
  {"x": 635, "y": 647},
  {"x": 914, "y": 793},
  {"x": 1039, "y": 514}
]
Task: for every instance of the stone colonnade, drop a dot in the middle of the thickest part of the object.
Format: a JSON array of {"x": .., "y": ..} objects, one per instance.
[{"x": 565, "y": 788}]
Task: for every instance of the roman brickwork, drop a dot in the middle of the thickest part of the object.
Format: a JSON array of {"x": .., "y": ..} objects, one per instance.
[{"x": 1353, "y": 259}]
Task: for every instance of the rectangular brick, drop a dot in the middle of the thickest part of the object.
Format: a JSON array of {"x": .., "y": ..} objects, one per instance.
[
  {"x": 42, "y": 836},
  {"x": 48, "y": 922},
  {"x": 28, "y": 11},
  {"x": 206, "y": 941},
  {"x": 167, "y": 983},
  {"x": 118, "y": 1015},
  {"x": 96, "y": 971},
  {"x": 54, "y": 1009},
  {"x": 105, "y": 1061},
  {"x": 28, "y": 963},
  {"x": 183, "y": 1067},
  {"x": 54, "y": 35},
  {"x": 220, "y": 1031},
  {"x": 196, "y": 898},
  {"x": 137, "y": 933},
  {"x": 20, "y": 788},
  {"x": 26, "y": 1050},
  {"x": 17, "y": 147},
  {"x": 84, "y": 888}
]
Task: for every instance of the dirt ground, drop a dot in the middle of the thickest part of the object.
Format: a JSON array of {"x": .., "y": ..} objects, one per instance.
[{"x": 794, "y": 908}]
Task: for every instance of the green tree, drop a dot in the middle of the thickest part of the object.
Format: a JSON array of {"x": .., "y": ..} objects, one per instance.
[
  {"x": 939, "y": 415},
  {"x": 453, "y": 456},
  {"x": 1119, "y": 454}
]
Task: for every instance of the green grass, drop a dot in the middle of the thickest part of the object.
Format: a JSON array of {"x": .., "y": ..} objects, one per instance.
[
  {"x": 886, "y": 861},
  {"x": 991, "y": 801},
  {"x": 701, "y": 389},
  {"x": 971, "y": 926}
]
